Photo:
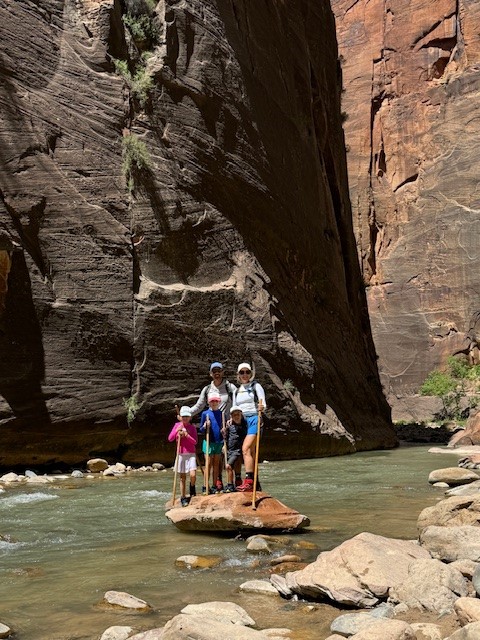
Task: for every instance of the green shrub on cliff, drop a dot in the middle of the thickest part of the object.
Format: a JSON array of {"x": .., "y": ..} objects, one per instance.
[
  {"x": 131, "y": 406},
  {"x": 140, "y": 84},
  {"x": 457, "y": 387},
  {"x": 136, "y": 159},
  {"x": 140, "y": 21}
]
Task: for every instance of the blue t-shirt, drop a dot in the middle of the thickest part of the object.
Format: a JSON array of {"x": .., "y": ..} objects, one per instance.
[{"x": 215, "y": 424}]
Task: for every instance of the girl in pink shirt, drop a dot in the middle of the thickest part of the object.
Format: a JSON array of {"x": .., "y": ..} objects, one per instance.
[{"x": 187, "y": 462}]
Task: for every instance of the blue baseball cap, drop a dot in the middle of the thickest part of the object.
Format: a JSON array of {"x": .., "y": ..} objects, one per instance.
[{"x": 216, "y": 365}]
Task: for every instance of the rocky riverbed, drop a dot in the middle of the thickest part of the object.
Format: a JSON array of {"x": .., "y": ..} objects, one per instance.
[{"x": 383, "y": 588}]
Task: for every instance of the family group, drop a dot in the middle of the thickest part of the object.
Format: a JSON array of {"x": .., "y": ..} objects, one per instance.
[{"x": 229, "y": 426}]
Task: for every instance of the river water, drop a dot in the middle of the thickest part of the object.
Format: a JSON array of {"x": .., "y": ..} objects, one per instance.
[{"x": 79, "y": 538}]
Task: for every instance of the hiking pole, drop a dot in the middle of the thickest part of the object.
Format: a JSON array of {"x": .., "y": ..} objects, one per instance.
[
  {"x": 225, "y": 459},
  {"x": 207, "y": 453},
  {"x": 255, "y": 475},
  {"x": 175, "y": 475}
]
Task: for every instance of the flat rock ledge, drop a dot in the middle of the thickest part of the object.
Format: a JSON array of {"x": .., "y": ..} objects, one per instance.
[{"x": 233, "y": 512}]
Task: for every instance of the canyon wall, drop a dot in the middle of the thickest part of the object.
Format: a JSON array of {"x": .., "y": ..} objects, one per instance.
[
  {"x": 148, "y": 229},
  {"x": 411, "y": 73}
]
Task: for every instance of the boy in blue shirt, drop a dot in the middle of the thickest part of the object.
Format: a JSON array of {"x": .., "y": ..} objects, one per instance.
[{"x": 215, "y": 418}]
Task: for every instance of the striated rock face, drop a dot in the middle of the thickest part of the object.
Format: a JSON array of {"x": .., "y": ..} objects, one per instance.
[
  {"x": 232, "y": 239},
  {"x": 411, "y": 75}
]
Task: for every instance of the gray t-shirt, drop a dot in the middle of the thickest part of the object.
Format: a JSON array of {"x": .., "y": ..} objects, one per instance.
[{"x": 226, "y": 391}]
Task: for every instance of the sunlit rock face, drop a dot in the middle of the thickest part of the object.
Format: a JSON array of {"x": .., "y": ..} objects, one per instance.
[
  {"x": 234, "y": 241},
  {"x": 411, "y": 76}
]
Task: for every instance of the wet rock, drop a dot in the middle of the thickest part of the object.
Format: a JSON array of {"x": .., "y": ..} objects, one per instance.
[
  {"x": 186, "y": 627},
  {"x": 386, "y": 630},
  {"x": 221, "y": 611},
  {"x": 233, "y": 511},
  {"x": 258, "y": 544},
  {"x": 457, "y": 510},
  {"x": 285, "y": 567},
  {"x": 287, "y": 558},
  {"x": 450, "y": 543},
  {"x": 350, "y": 623},
  {"x": 358, "y": 572},
  {"x": 277, "y": 633},
  {"x": 259, "y": 586},
  {"x": 158, "y": 466},
  {"x": 116, "y": 633},
  {"x": 427, "y": 631},
  {"x": 335, "y": 636},
  {"x": 469, "y": 632},
  {"x": 440, "y": 485},
  {"x": 5, "y": 630},
  {"x": 471, "y": 461},
  {"x": 38, "y": 480},
  {"x": 470, "y": 489},
  {"x": 430, "y": 585},
  {"x": 453, "y": 476},
  {"x": 123, "y": 600},
  {"x": 198, "y": 562},
  {"x": 280, "y": 585},
  {"x": 467, "y": 610},
  {"x": 11, "y": 477},
  {"x": 95, "y": 465},
  {"x": 30, "y": 474},
  {"x": 76, "y": 473}
]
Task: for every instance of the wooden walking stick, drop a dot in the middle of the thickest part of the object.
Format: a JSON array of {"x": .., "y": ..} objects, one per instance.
[
  {"x": 255, "y": 475},
  {"x": 207, "y": 454},
  {"x": 225, "y": 458},
  {"x": 175, "y": 475}
]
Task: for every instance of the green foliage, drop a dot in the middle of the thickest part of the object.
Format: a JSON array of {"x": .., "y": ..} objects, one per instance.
[
  {"x": 136, "y": 159},
  {"x": 456, "y": 387},
  {"x": 289, "y": 386},
  {"x": 140, "y": 84},
  {"x": 143, "y": 28},
  {"x": 131, "y": 406}
]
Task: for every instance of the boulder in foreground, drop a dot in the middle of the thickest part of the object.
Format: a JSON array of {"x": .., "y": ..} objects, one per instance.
[{"x": 233, "y": 511}]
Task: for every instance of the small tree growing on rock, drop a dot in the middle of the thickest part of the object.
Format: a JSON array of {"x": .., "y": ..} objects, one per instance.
[{"x": 457, "y": 387}]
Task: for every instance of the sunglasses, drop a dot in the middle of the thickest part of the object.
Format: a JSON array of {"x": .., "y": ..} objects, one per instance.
[{"x": 245, "y": 372}]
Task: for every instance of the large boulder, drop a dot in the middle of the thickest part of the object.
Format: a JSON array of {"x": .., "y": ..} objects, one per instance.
[
  {"x": 468, "y": 436},
  {"x": 452, "y": 543},
  {"x": 453, "y": 476},
  {"x": 233, "y": 511},
  {"x": 453, "y": 511},
  {"x": 359, "y": 572},
  {"x": 431, "y": 585}
]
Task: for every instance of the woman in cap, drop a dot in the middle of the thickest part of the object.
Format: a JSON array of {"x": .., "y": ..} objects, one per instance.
[{"x": 248, "y": 397}]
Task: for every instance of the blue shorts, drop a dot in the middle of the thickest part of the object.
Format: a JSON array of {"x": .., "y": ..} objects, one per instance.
[{"x": 252, "y": 425}]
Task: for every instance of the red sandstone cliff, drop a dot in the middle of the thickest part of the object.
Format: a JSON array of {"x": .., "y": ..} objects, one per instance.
[
  {"x": 411, "y": 73},
  {"x": 234, "y": 241}
]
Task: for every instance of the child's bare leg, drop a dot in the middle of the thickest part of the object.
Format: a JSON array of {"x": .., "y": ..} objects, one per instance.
[
  {"x": 183, "y": 478},
  {"x": 229, "y": 474}
]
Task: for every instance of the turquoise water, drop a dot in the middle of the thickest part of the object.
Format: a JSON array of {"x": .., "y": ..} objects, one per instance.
[{"x": 75, "y": 540}]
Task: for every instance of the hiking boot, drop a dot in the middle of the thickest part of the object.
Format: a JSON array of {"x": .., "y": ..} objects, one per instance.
[
  {"x": 184, "y": 502},
  {"x": 238, "y": 482},
  {"x": 213, "y": 490},
  {"x": 204, "y": 491},
  {"x": 219, "y": 486},
  {"x": 230, "y": 488},
  {"x": 247, "y": 485},
  {"x": 193, "y": 491}
]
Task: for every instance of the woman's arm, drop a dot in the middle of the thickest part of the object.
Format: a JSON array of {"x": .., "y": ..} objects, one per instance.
[
  {"x": 174, "y": 431},
  {"x": 260, "y": 395}
]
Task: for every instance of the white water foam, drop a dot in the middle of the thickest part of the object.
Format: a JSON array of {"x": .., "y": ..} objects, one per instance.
[{"x": 26, "y": 498}]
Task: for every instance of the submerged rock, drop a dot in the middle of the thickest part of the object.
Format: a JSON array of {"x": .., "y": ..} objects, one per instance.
[
  {"x": 221, "y": 611},
  {"x": 233, "y": 511},
  {"x": 116, "y": 633},
  {"x": 198, "y": 562},
  {"x": 122, "y": 600}
]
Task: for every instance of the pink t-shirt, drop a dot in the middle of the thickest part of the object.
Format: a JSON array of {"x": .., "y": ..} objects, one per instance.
[{"x": 188, "y": 442}]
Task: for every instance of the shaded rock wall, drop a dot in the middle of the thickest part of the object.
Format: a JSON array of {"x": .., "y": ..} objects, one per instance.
[
  {"x": 412, "y": 80},
  {"x": 234, "y": 243}
]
